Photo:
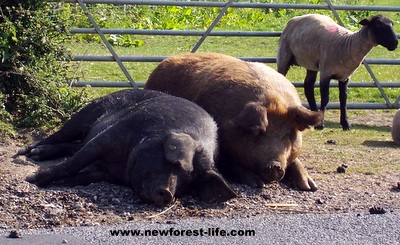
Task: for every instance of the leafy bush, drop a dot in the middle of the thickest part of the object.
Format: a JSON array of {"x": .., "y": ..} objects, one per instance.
[{"x": 34, "y": 65}]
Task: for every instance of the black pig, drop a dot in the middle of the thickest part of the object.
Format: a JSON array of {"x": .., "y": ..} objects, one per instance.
[{"x": 159, "y": 145}]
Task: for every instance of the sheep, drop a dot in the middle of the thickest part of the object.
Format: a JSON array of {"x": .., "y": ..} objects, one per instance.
[
  {"x": 318, "y": 43},
  {"x": 396, "y": 128}
]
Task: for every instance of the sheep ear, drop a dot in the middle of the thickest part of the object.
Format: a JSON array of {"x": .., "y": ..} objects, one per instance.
[
  {"x": 364, "y": 22},
  {"x": 253, "y": 118}
]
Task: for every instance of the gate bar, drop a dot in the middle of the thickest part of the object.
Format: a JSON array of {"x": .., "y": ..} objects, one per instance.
[
  {"x": 239, "y": 5},
  {"x": 296, "y": 84},
  {"x": 108, "y": 45},
  {"x": 107, "y": 58},
  {"x": 213, "y": 24}
]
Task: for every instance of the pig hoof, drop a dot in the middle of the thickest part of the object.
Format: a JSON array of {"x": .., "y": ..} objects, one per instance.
[
  {"x": 35, "y": 151},
  {"x": 319, "y": 127},
  {"x": 252, "y": 180},
  {"x": 41, "y": 178},
  {"x": 307, "y": 185},
  {"x": 31, "y": 178},
  {"x": 24, "y": 150}
]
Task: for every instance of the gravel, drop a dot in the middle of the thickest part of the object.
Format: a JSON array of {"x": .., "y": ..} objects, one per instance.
[{"x": 25, "y": 206}]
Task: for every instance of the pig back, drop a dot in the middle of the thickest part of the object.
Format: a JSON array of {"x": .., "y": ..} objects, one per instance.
[
  {"x": 107, "y": 110},
  {"x": 159, "y": 116},
  {"x": 221, "y": 83}
]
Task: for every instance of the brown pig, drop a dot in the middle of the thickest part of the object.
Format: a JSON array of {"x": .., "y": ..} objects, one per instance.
[{"x": 258, "y": 112}]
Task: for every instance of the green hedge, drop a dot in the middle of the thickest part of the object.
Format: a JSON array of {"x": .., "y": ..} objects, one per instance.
[{"x": 34, "y": 66}]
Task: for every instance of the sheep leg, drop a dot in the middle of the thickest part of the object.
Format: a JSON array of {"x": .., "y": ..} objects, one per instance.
[
  {"x": 309, "y": 83},
  {"x": 284, "y": 58},
  {"x": 284, "y": 65},
  {"x": 343, "y": 101},
  {"x": 324, "y": 90}
]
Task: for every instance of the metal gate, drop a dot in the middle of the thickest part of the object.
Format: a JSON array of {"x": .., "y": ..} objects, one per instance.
[{"x": 209, "y": 32}]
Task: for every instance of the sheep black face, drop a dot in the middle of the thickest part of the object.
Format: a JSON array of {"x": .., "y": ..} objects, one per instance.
[{"x": 382, "y": 29}]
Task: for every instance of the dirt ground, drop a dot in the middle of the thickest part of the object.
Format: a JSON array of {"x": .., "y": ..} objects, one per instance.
[{"x": 23, "y": 205}]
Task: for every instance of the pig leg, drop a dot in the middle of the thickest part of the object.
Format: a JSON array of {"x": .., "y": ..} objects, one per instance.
[
  {"x": 239, "y": 174},
  {"x": 248, "y": 178},
  {"x": 83, "y": 158},
  {"x": 73, "y": 130},
  {"x": 85, "y": 178},
  {"x": 48, "y": 152},
  {"x": 79, "y": 125},
  {"x": 72, "y": 133},
  {"x": 300, "y": 177}
]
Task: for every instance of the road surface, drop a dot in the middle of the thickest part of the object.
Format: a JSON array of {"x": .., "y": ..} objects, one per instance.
[{"x": 348, "y": 228}]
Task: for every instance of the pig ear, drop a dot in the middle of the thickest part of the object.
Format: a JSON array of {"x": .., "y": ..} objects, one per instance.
[
  {"x": 253, "y": 118},
  {"x": 180, "y": 148},
  {"x": 213, "y": 188},
  {"x": 303, "y": 118}
]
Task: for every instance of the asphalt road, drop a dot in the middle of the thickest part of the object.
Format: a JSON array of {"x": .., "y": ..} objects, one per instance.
[{"x": 270, "y": 229}]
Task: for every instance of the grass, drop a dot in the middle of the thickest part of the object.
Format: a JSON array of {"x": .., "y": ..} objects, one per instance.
[
  {"x": 367, "y": 149},
  {"x": 235, "y": 19}
]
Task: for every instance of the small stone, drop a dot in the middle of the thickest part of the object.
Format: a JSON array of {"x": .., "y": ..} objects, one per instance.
[
  {"x": 341, "y": 169},
  {"x": 266, "y": 196},
  {"x": 377, "y": 210},
  {"x": 320, "y": 201},
  {"x": 331, "y": 142},
  {"x": 64, "y": 241},
  {"x": 14, "y": 234}
]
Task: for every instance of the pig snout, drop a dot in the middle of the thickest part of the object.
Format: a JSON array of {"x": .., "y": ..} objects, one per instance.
[
  {"x": 161, "y": 192},
  {"x": 272, "y": 171},
  {"x": 162, "y": 197}
]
